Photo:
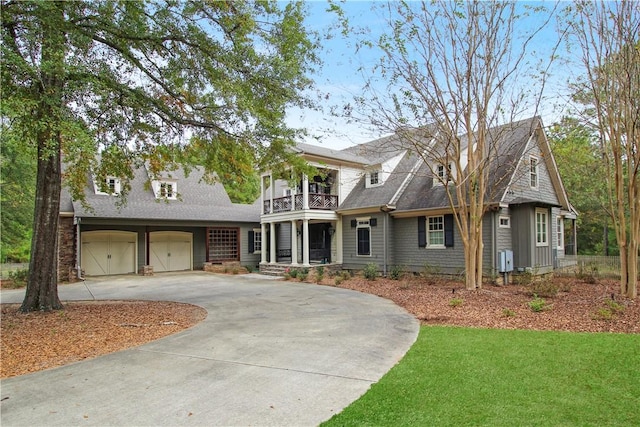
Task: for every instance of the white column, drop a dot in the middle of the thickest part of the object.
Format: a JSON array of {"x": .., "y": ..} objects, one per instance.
[
  {"x": 272, "y": 243},
  {"x": 272, "y": 192},
  {"x": 305, "y": 192},
  {"x": 338, "y": 235},
  {"x": 305, "y": 242},
  {"x": 263, "y": 249},
  {"x": 294, "y": 242}
]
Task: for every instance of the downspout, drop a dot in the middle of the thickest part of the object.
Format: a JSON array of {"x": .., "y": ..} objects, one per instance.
[
  {"x": 385, "y": 209},
  {"x": 494, "y": 238},
  {"x": 78, "y": 242}
]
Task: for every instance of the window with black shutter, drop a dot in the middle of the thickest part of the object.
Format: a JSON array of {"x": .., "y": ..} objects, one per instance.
[{"x": 422, "y": 231}]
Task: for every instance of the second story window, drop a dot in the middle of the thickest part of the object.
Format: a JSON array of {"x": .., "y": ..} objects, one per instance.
[
  {"x": 533, "y": 172},
  {"x": 111, "y": 186},
  {"x": 374, "y": 178},
  {"x": 166, "y": 190}
]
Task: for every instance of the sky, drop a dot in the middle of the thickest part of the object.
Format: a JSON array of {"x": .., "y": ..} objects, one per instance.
[{"x": 339, "y": 79}]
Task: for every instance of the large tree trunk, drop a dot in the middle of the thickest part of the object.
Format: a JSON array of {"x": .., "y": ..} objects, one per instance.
[{"x": 42, "y": 285}]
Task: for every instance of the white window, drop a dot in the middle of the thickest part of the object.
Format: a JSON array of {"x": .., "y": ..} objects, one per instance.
[
  {"x": 373, "y": 178},
  {"x": 560, "y": 230},
  {"x": 435, "y": 231},
  {"x": 444, "y": 173},
  {"x": 533, "y": 172},
  {"x": 541, "y": 227},
  {"x": 167, "y": 190},
  {"x": 112, "y": 185},
  {"x": 363, "y": 237},
  {"x": 257, "y": 240},
  {"x": 505, "y": 222}
]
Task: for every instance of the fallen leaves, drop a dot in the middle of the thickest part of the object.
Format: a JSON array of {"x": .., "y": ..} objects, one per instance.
[{"x": 42, "y": 340}]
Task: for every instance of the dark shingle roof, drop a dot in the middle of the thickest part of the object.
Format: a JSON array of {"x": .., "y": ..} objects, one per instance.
[
  {"x": 510, "y": 141},
  {"x": 197, "y": 201}
]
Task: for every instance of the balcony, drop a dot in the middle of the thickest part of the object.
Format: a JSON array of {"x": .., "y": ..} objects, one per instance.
[{"x": 289, "y": 203}]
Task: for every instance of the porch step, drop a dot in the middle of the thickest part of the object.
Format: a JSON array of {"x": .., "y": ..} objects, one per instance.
[{"x": 273, "y": 269}]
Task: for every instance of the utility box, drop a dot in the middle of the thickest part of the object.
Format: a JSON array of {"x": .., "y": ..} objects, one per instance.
[{"x": 506, "y": 261}]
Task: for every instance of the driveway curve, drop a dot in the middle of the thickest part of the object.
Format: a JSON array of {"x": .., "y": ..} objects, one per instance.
[{"x": 268, "y": 353}]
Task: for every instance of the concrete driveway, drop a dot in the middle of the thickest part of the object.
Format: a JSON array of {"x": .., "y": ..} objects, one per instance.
[{"x": 269, "y": 353}]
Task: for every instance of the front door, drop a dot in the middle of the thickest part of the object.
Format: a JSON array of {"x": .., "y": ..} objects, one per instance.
[{"x": 319, "y": 243}]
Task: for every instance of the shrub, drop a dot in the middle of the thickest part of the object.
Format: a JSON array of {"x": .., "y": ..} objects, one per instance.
[
  {"x": 614, "y": 306},
  {"x": 396, "y": 272},
  {"x": 338, "y": 280},
  {"x": 538, "y": 304},
  {"x": 524, "y": 278},
  {"x": 293, "y": 273},
  {"x": 319, "y": 274},
  {"x": 507, "y": 312},
  {"x": 370, "y": 271},
  {"x": 345, "y": 275},
  {"x": 303, "y": 273},
  {"x": 455, "y": 302},
  {"x": 588, "y": 273},
  {"x": 603, "y": 314},
  {"x": 19, "y": 277},
  {"x": 545, "y": 288}
]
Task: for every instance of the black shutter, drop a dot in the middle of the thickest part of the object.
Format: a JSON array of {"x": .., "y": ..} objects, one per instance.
[
  {"x": 252, "y": 241},
  {"x": 373, "y": 222},
  {"x": 422, "y": 231},
  {"x": 448, "y": 230},
  {"x": 354, "y": 223}
]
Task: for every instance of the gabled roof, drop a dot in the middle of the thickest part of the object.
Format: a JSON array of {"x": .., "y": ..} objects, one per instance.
[
  {"x": 197, "y": 201},
  {"x": 328, "y": 153},
  {"x": 379, "y": 150}
]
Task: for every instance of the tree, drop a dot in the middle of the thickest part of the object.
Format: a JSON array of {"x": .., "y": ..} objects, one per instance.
[
  {"x": 577, "y": 154},
  {"x": 608, "y": 37},
  {"x": 452, "y": 70},
  {"x": 17, "y": 186},
  {"x": 134, "y": 81}
]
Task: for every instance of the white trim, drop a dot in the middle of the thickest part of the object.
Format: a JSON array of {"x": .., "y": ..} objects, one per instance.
[
  {"x": 507, "y": 219},
  {"x": 545, "y": 232},
  {"x": 560, "y": 231},
  {"x": 428, "y": 231},
  {"x": 533, "y": 158},
  {"x": 117, "y": 186}
]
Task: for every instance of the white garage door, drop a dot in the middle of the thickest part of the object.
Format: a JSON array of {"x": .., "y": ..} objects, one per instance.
[
  {"x": 108, "y": 252},
  {"x": 170, "y": 250}
]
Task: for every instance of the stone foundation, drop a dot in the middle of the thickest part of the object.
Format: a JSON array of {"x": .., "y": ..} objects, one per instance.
[
  {"x": 66, "y": 250},
  {"x": 147, "y": 270}
]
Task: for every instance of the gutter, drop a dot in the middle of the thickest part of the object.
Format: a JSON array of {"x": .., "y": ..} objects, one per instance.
[
  {"x": 78, "y": 242},
  {"x": 385, "y": 236}
]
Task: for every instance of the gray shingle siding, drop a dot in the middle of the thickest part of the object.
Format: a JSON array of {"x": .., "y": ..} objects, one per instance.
[
  {"x": 521, "y": 188},
  {"x": 351, "y": 260}
]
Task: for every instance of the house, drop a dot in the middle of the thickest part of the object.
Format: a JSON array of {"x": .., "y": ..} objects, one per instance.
[
  {"x": 175, "y": 223},
  {"x": 379, "y": 203}
]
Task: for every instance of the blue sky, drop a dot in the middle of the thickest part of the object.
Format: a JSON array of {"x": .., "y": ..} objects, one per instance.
[{"x": 339, "y": 80}]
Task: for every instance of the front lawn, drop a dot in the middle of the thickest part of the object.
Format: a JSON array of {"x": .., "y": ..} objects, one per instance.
[{"x": 456, "y": 376}]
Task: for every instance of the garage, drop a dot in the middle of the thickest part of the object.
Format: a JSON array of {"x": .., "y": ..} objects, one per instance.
[
  {"x": 108, "y": 252},
  {"x": 170, "y": 250}
]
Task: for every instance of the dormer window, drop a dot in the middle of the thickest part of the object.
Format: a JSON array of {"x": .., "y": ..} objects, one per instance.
[
  {"x": 373, "y": 178},
  {"x": 111, "y": 184},
  {"x": 165, "y": 189},
  {"x": 443, "y": 173}
]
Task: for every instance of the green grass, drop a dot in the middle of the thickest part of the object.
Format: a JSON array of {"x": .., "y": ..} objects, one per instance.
[{"x": 481, "y": 377}]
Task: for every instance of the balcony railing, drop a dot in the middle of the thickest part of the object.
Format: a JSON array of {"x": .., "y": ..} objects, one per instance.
[{"x": 316, "y": 201}]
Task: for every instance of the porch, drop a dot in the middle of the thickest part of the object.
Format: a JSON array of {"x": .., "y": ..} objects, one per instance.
[{"x": 301, "y": 242}]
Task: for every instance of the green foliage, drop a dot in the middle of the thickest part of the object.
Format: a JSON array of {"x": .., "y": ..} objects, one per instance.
[
  {"x": 346, "y": 275},
  {"x": 164, "y": 84},
  {"x": 614, "y": 306},
  {"x": 293, "y": 273},
  {"x": 524, "y": 278},
  {"x": 396, "y": 272},
  {"x": 370, "y": 271},
  {"x": 303, "y": 273},
  {"x": 507, "y": 312},
  {"x": 338, "y": 280},
  {"x": 576, "y": 151},
  {"x": 319, "y": 273},
  {"x": 455, "y": 302},
  {"x": 19, "y": 277},
  {"x": 538, "y": 304},
  {"x": 17, "y": 196}
]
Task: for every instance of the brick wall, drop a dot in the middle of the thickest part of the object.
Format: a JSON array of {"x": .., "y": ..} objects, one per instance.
[{"x": 66, "y": 249}]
